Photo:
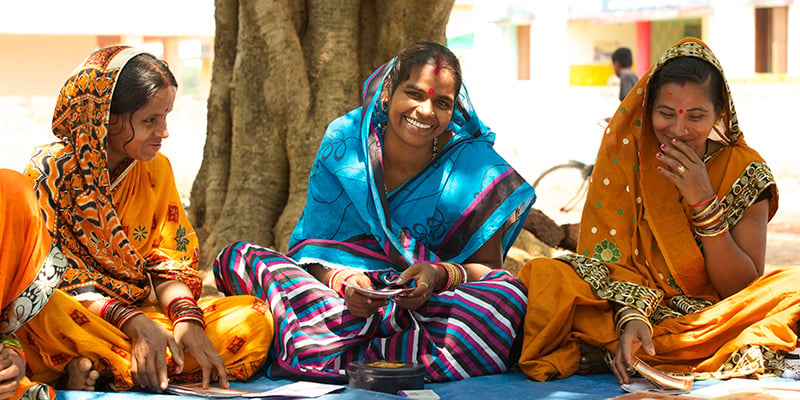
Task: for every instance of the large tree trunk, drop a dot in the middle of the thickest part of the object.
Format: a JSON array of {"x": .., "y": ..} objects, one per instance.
[{"x": 283, "y": 70}]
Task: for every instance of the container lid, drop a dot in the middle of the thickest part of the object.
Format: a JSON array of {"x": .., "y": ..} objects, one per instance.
[{"x": 385, "y": 368}]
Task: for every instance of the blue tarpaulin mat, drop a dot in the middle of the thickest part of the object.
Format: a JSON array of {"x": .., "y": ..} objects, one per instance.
[{"x": 508, "y": 386}]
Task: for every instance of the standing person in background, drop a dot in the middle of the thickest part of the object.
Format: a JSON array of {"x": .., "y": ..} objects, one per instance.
[
  {"x": 30, "y": 269},
  {"x": 622, "y": 60},
  {"x": 110, "y": 202}
]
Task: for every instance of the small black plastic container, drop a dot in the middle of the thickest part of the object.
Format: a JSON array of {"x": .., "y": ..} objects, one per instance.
[{"x": 386, "y": 376}]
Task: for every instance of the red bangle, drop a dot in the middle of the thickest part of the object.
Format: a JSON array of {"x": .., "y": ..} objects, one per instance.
[
  {"x": 172, "y": 303},
  {"x": 336, "y": 280},
  {"x": 713, "y": 196}
]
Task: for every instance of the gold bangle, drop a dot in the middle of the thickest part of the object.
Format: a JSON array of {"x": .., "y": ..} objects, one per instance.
[
  {"x": 620, "y": 326},
  {"x": 706, "y": 211},
  {"x": 708, "y": 233},
  {"x": 718, "y": 214}
]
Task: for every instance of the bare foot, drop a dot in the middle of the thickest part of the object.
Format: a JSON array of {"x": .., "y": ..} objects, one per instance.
[
  {"x": 592, "y": 361},
  {"x": 80, "y": 375}
]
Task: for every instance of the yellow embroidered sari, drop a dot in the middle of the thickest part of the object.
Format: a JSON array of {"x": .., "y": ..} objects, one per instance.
[
  {"x": 119, "y": 230},
  {"x": 637, "y": 248}
]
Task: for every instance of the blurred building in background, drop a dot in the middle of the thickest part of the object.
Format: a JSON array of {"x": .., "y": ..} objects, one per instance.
[
  {"x": 42, "y": 40},
  {"x": 538, "y": 71},
  {"x": 548, "y": 41},
  {"x": 573, "y": 40}
]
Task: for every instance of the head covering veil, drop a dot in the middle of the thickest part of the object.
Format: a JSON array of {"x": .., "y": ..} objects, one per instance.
[{"x": 635, "y": 218}]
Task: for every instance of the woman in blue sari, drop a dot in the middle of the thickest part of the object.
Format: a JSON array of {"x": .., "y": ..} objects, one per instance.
[{"x": 406, "y": 190}]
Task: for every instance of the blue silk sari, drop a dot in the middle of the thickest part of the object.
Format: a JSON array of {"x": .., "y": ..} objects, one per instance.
[{"x": 447, "y": 211}]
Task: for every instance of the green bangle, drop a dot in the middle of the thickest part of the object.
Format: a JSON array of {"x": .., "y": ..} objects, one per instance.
[{"x": 11, "y": 341}]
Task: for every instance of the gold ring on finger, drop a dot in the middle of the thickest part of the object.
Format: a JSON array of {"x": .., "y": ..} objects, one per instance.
[
  {"x": 681, "y": 169},
  {"x": 425, "y": 284}
]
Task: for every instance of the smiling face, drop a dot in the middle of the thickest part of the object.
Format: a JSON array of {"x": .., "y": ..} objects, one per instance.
[
  {"x": 149, "y": 127},
  {"x": 684, "y": 111},
  {"x": 420, "y": 108}
]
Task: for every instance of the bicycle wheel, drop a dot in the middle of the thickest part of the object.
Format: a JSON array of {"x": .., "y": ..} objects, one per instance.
[{"x": 561, "y": 191}]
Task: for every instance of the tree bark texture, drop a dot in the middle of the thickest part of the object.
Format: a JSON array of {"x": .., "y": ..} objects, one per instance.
[{"x": 282, "y": 71}]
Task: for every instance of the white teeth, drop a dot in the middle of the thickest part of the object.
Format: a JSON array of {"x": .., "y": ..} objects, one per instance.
[{"x": 417, "y": 123}]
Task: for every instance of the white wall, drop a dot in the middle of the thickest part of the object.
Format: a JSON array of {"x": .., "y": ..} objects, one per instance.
[
  {"x": 584, "y": 35},
  {"x": 38, "y": 65},
  {"x": 731, "y": 36},
  {"x": 793, "y": 44},
  {"x": 108, "y": 17}
]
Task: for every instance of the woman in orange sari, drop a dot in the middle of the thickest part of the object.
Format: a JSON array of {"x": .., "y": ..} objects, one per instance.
[
  {"x": 671, "y": 253},
  {"x": 111, "y": 204},
  {"x": 30, "y": 268}
]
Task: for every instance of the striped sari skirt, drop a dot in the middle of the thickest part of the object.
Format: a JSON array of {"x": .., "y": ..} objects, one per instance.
[{"x": 467, "y": 331}]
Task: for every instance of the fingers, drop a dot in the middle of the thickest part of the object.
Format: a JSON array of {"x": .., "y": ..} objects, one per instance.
[
  {"x": 674, "y": 168},
  {"x": 622, "y": 376},
  {"x": 219, "y": 366},
  {"x": 161, "y": 371},
  {"x": 362, "y": 281},
  {"x": 361, "y": 305},
  {"x": 151, "y": 363},
  {"x": 681, "y": 151},
  {"x": 135, "y": 372},
  {"x": 212, "y": 365},
  {"x": 223, "y": 378},
  {"x": 9, "y": 371},
  {"x": 206, "y": 376},
  {"x": 8, "y": 387},
  {"x": 647, "y": 344},
  {"x": 177, "y": 354},
  {"x": 621, "y": 362}
]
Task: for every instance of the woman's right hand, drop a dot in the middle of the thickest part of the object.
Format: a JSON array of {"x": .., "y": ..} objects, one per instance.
[
  {"x": 361, "y": 304},
  {"x": 12, "y": 370},
  {"x": 149, "y": 342},
  {"x": 635, "y": 335}
]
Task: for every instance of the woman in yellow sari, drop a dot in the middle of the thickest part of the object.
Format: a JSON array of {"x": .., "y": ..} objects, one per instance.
[
  {"x": 671, "y": 253},
  {"x": 30, "y": 269},
  {"x": 110, "y": 202}
]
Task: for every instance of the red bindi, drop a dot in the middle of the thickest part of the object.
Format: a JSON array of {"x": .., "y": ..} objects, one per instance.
[
  {"x": 669, "y": 93},
  {"x": 680, "y": 111},
  {"x": 166, "y": 110},
  {"x": 430, "y": 91}
]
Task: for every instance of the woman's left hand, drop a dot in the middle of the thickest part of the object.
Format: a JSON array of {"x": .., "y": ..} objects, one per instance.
[
  {"x": 684, "y": 168},
  {"x": 191, "y": 336},
  {"x": 12, "y": 369},
  {"x": 428, "y": 277},
  {"x": 635, "y": 335}
]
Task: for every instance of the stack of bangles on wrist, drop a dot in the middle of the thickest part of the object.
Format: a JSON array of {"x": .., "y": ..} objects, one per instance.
[
  {"x": 708, "y": 218},
  {"x": 118, "y": 313},
  {"x": 456, "y": 275},
  {"x": 337, "y": 278},
  {"x": 11, "y": 341},
  {"x": 627, "y": 314},
  {"x": 185, "y": 308}
]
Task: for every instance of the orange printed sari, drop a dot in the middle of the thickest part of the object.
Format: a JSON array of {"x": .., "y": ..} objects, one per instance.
[
  {"x": 30, "y": 268},
  {"x": 637, "y": 248},
  {"x": 119, "y": 230}
]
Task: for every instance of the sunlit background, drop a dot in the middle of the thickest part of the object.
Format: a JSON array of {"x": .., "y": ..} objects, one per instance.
[{"x": 539, "y": 72}]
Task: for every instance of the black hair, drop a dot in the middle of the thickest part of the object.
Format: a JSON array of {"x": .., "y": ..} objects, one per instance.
[
  {"x": 138, "y": 81},
  {"x": 693, "y": 70},
  {"x": 419, "y": 54},
  {"x": 623, "y": 57}
]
